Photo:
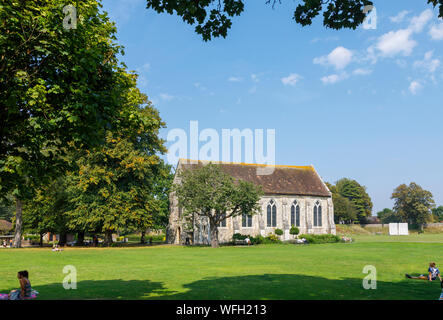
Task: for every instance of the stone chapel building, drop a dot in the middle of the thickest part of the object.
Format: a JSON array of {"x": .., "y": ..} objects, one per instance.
[{"x": 293, "y": 196}]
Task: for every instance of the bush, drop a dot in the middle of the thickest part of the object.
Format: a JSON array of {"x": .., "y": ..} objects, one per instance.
[
  {"x": 272, "y": 238},
  {"x": 278, "y": 232},
  {"x": 320, "y": 238},
  {"x": 239, "y": 236},
  {"x": 257, "y": 240},
  {"x": 294, "y": 231},
  {"x": 32, "y": 238}
]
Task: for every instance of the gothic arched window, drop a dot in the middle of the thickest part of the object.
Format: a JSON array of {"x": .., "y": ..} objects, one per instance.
[
  {"x": 295, "y": 214},
  {"x": 317, "y": 214},
  {"x": 271, "y": 214}
]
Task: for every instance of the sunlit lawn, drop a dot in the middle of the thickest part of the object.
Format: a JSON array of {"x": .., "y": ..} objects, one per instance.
[{"x": 328, "y": 271}]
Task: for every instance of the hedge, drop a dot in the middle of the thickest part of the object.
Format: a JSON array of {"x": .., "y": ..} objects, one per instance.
[{"x": 320, "y": 238}]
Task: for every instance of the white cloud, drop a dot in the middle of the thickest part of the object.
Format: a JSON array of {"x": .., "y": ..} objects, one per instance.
[
  {"x": 436, "y": 32},
  {"x": 340, "y": 57},
  {"x": 362, "y": 72},
  {"x": 400, "y": 41},
  {"x": 399, "y": 17},
  {"x": 414, "y": 87},
  {"x": 428, "y": 64},
  {"x": 235, "y": 79},
  {"x": 254, "y": 77},
  {"x": 291, "y": 80},
  {"x": 419, "y": 22},
  {"x": 396, "y": 42},
  {"x": 334, "y": 78},
  {"x": 165, "y": 96}
]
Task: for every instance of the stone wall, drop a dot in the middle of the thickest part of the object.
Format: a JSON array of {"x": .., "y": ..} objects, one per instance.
[{"x": 197, "y": 228}]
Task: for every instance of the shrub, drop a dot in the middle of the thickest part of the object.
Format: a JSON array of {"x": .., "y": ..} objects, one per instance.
[
  {"x": 278, "y": 232},
  {"x": 320, "y": 238},
  {"x": 272, "y": 238},
  {"x": 257, "y": 240},
  {"x": 239, "y": 236},
  {"x": 294, "y": 230}
]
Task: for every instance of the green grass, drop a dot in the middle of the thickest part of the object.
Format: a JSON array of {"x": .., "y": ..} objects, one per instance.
[{"x": 324, "y": 271}]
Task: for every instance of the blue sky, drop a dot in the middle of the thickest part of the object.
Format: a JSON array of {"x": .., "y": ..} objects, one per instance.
[{"x": 364, "y": 104}]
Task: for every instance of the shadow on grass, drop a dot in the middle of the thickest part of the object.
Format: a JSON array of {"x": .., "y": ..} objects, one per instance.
[
  {"x": 103, "y": 289},
  {"x": 250, "y": 287}
]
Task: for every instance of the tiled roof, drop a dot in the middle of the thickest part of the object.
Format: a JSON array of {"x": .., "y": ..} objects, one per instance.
[
  {"x": 284, "y": 180},
  {"x": 5, "y": 225}
]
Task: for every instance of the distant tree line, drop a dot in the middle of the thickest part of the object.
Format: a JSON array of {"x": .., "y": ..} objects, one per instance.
[{"x": 413, "y": 205}]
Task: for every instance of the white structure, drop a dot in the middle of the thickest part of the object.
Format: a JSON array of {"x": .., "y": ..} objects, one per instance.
[
  {"x": 294, "y": 196},
  {"x": 398, "y": 229}
]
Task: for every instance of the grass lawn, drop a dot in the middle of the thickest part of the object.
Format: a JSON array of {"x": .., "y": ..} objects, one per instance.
[{"x": 324, "y": 271}]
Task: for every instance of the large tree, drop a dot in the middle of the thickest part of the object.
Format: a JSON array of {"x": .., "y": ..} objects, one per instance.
[
  {"x": 213, "y": 17},
  {"x": 344, "y": 210},
  {"x": 114, "y": 186},
  {"x": 438, "y": 213},
  {"x": 413, "y": 204},
  {"x": 209, "y": 192},
  {"x": 388, "y": 216},
  {"x": 359, "y": 206},
  {"x": 60, "y": 90}
]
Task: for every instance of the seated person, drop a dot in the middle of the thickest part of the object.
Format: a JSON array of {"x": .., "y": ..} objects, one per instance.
[
  {"x": 25, "y": 287},
  {"x": 433, "y": 273}
]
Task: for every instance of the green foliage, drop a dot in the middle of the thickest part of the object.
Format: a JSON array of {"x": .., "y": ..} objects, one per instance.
[
  {"x": 213, "y": 17},
  {"x": 239, "y": 236},
  {"x": 278, "y": 232},
  {"x": 208, "y": 191},
  {"x": 272, "y": 238},
  {"x": 61, "y": 92},
  {"x": 161, "y": 188},
  {"x": 413, "y": 204},
  {"x": 114, "y": 186},
  {"x": 45, "y": 212},
  {"x": 320, "y": 238},
  {"x": 438, "y": 214},
  {"x": 6, "y": 210},
  {"x": 60, "y": 89},
  {"x": 294, "y": 231},
  {"x": 388, "y": 216},
  {"x": 257, "y": 240},
  {"x": 361, "y": 204},
  {"x": 344, "y": 210}
]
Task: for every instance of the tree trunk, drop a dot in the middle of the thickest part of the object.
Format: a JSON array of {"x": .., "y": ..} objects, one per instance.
[
  {"x": 142, "y": 238},
  {"x": 62, "y": 239},
  {"x": 80, "y": 239},
  {"x": 41, "y": 240},
  {"x": 108, "y": 237},
  {"x": 214, "y": 235},
  {"x": 18, "y": 224}
]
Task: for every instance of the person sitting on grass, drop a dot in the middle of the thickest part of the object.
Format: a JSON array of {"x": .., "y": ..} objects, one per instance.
[
  {"x": 56, "y": 248},
  {"x": 25, "y": 287},
  {"x": 433, "y": 273}
]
